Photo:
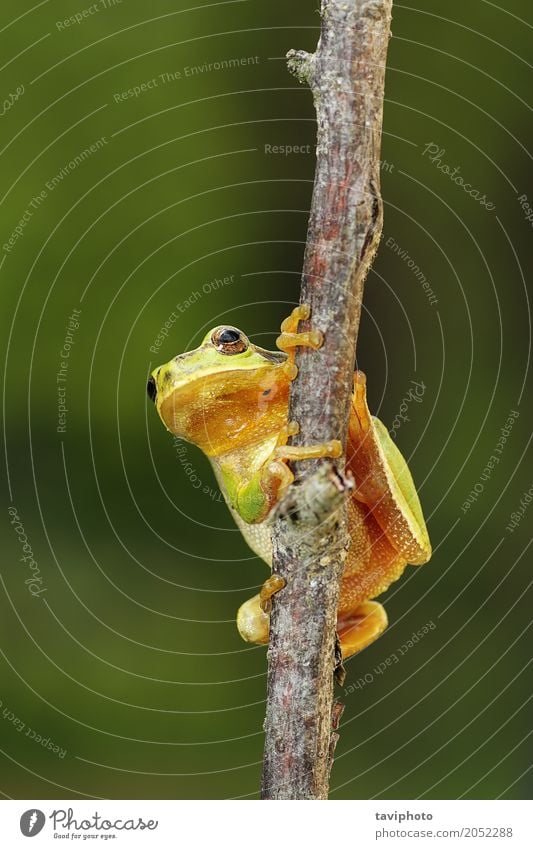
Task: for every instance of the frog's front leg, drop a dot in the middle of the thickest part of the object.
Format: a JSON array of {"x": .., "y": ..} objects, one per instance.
[
  {"x": 255, "y": 498},
  {"x": 290, "y": 339}
]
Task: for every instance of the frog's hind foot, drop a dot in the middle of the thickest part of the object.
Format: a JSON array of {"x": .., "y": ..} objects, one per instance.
[
  {"x": 253, "y": 617},
  {"x": 359, "y": 628},
  {"x": 271, "y": 586},
  {"x": 252, "y": 622}
]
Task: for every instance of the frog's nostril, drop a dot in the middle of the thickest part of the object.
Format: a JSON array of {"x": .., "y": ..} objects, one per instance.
[{"x": 151, "y": 389}]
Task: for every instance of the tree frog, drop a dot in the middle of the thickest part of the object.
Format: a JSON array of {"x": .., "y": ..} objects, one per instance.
[{"x": 230, "y": 398}]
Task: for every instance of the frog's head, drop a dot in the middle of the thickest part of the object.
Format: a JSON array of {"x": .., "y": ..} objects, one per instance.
[{"x": 224, "y": 394}]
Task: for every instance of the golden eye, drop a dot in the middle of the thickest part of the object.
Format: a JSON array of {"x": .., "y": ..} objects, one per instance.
[{"x": 229, "y": 340}]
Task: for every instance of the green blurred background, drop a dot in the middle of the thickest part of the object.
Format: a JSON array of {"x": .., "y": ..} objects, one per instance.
[{"x": 129, "y": 661}]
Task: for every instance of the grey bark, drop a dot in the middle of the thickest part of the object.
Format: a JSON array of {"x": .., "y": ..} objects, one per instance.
[{"x": 346, "y": 77}]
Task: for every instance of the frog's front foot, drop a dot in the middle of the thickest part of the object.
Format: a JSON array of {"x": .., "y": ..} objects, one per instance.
[
  {"x": 289, "y": 338},
  {"x": 277, "y": 476}
]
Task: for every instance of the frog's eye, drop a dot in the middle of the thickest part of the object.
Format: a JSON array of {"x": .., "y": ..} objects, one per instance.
[
  {"x": 151, "y": 388},
  {"x": 229, "y": 340}
]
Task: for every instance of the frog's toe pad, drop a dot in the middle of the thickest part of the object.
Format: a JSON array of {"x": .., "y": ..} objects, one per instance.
[
  {"x": 252, "y": 622},
  {"x": 359, "y": 628}
]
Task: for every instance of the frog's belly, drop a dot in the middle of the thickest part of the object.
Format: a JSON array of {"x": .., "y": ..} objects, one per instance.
[{"x": 258, "y": 537}]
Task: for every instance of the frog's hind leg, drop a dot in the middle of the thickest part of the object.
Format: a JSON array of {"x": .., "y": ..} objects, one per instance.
[
  {"x": 359, "y": 627},
  {"x": 383, "y": 481},
  {"x": 253, "y": 617},
  {"x": 356, "y": 628}
]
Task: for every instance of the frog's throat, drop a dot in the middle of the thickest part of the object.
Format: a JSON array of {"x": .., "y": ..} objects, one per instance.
[{"x": 222, "y": 416}]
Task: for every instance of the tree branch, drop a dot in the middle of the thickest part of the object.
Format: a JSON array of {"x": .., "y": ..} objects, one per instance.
[{"x": 346, "y": 77}]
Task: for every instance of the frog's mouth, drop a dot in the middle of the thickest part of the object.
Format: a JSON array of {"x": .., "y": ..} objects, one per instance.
[{"x": 180, "y": 372}]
